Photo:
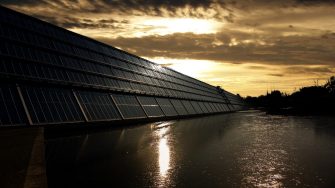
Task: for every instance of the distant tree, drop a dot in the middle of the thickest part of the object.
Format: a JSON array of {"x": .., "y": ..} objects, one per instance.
[
  {"x": 330, "y": 85},
  {"x": 307, "y": 100}
]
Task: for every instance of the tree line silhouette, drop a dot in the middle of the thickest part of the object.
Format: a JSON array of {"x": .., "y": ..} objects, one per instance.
[{"x": 312, "y": 100}]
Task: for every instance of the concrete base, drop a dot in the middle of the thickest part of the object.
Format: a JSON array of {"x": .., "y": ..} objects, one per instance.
[{"x": 22, "y": 162}]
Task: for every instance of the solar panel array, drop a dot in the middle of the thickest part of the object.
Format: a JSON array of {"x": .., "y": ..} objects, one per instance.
[{"x": 51, "y": 75}]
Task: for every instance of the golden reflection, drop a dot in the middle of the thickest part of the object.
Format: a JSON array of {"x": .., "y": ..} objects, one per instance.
[
  {"x": 164, "y": 161},
  {"x": 164, "y": 157}
]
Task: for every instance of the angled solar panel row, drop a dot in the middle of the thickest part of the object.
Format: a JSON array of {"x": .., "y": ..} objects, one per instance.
[
  {"x": 68, "y": 37},
  {"x": 43, "y": 28},
  {"x": 71, "y": 50},
  {"x": 100, "y": 75},
  {"x": 36, "y": 53},
  {"x": 53, "y": 105}
]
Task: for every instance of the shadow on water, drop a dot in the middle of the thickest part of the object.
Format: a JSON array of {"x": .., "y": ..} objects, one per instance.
[{"x": 230, "y": 150}]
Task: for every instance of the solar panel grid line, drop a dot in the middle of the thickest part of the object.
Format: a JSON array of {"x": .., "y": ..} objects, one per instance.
[
  {"x": 118, "y": 109},
  {"x": 178, "y": 107},
  {"x": 221, "y": 107},
  {"x": 213, "y": 107},
  {"x": 216, "y": 109},
  {"x": 204, "y": 107},
  {"x": 197, "y": 107},
  {"x": 208, "y": 107},
  {"x": 5, "y": 112},
  {"x": 51, "y": 105},
  {"x": 166, "y": 106},
  {"x": 146, "y": 113},
  {"x": 12, "y": 113},
  {"x": 150, "y": 106},
  {"x": 98, "y": 105},
  {"x": 189, "y": 107},
  {"x": 129, "y": 106},
  {"x": 80, "y": 105}
]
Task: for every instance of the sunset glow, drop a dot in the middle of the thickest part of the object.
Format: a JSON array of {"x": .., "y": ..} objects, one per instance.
[
  {"x": 246, "y": 47},
  {"x": 164, "y": 26}
]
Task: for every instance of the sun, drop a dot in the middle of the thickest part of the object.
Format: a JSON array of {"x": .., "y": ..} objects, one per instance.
[
  {"x": 164, "y": 26},
  {"x": 190, "y": 67}
]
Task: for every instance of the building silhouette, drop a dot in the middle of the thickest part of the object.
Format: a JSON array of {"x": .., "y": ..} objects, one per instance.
[{"x": 49, "y": 75}]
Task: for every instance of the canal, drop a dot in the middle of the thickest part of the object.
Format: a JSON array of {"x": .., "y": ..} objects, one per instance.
[{"x": 244, "y": 149}]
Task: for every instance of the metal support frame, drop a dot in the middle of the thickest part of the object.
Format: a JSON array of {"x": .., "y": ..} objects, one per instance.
[
  {"x": 118, "y": 109},
  {"x": 30, "y": 122},
  {"x": 173, "y": 107},
  {"x": 139, "y": 102},
  {"x": 160, "y": 107},
  {"x": 80, "y": 106}
]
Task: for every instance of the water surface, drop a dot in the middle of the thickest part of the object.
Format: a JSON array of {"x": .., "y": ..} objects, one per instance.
[{"x": 245, "y": 149}]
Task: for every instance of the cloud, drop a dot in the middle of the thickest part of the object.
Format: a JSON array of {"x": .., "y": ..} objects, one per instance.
[
  {"x": 310, "y": 70},
  {"x": 73, "y": 22},
  {"x": 256, "y": 44},
  {"x": 276, "y": 75},
  {"x": 233, "y": 47},
  {"x": 169, "y": 8}
]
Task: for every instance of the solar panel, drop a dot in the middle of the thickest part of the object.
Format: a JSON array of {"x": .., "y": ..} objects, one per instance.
[
  {"x": 36, "y": 53},
  {"x": 98, "y": 106},
  {"x": 189, "y": 107},
  {"x": 209, "y": 107},
  {"x": 179, "y": 107},
  {"x": 203, "y": 107},
  {"x": 51, "y": 105},
  {"x": 166, "y": 106},
  {"x": 196, "y": 107},
  {"x": 128, "y": 106},
  {"x": 150, "y": 106},
  {"x": 11, "y": 112}
]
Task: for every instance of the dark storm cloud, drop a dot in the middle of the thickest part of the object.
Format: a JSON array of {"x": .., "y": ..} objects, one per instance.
[
  {"x": 313, "y": 2},
  {"x": 270, "y": 45},
  {"x": 152, "y": 6},
  {"x": 257, "y": 67},
  {"x": 132, "y": 4},
  {"x": 309, "y": 70},
  {"x": 61, "y": 12},
  {"x": 276, "y": 75},
  {"x": 73, "y": 22},
  {"x": 169, "y": 8},
  {"x": 21, "y": 2},
  {"x": 288, "y": 50}
]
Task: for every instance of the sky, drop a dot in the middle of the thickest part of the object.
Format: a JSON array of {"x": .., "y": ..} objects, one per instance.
[{"x": 247, "y": 47}]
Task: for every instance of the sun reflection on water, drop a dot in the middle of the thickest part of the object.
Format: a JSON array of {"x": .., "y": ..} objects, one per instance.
[
  {"x": 163, "y": 150},
  {"x": 264, "y": 159},
  {"x": 164, "y": 157}
]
